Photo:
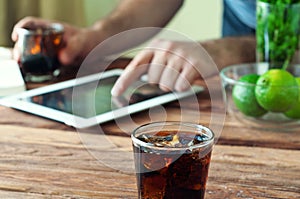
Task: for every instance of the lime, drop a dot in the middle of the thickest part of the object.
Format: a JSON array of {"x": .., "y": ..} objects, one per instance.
[
  {"x": 294, "y": 112},
  {"x": 277, "y": 90},
  {"x": 243, "y": 95}
]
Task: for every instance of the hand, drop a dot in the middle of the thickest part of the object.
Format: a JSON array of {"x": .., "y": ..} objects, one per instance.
[
  {"x": 173, "y": 65},
  {"x": 77, "y": 42}
]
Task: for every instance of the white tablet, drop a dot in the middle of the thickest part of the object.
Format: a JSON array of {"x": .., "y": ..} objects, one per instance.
[{"x": 86, "y": 101}]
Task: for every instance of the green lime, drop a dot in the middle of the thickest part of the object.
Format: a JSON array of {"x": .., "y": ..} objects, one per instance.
[
  {"x": 243, "y": 95},
  {"x": 294, "y": 112},
  {"x": 277, "y": 90}
]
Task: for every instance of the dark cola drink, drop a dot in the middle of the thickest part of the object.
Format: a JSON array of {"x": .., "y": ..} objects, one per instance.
[
  {"x": 39, "y": 52},
  {"x": 172, "y": 164}
]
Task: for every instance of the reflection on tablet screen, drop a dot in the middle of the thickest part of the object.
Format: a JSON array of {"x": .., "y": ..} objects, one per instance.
[{"x": 93, "y": 101}]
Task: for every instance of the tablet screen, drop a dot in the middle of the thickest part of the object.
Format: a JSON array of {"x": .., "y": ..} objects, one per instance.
[
  {"x": 94, "y": 98},
  {"x": 86, "y": 101}
]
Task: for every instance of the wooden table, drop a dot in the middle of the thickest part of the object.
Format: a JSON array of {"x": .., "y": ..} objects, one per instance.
[{"x": 45, "y": 159}]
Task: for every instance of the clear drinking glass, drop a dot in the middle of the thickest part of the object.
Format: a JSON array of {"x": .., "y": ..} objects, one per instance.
[
  {"x": 277, "y": 33},
  {"x": 39, "y": 49},
  {"x": 172, "y": 159}
]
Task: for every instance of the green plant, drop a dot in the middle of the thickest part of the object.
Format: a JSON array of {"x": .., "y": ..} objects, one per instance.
[
  {"x": 277, "y": 31},
  {"x": 281, "y": 1}
]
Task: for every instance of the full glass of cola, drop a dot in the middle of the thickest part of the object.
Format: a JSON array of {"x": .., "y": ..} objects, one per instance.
[{"x": 172, "y": 159}]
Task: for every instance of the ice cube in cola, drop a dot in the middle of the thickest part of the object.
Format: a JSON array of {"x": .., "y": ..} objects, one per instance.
[{"x": 172, "y": 164}]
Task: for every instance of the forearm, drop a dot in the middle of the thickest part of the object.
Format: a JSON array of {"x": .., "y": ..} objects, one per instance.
[
  {"x": 131, "y": 14},
  {"x": 231, "y": 50}
]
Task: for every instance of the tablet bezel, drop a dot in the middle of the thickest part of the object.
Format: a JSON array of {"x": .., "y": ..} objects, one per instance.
[{"x": 18, "y": 102}]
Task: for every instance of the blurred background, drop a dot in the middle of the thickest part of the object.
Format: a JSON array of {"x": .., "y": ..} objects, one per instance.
[{"x": 199, "y": 20}]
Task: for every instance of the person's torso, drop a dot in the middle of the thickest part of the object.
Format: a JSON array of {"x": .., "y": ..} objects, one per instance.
[{"x": 244, "y": 10}]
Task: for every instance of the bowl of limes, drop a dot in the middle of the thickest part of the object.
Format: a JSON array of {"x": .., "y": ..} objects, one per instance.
[{"x": 261, "y": 97}]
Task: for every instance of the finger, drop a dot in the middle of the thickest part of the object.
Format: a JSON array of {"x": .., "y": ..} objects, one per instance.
[
  {"x": 128, "y": 76},
  {"x": 28, "y": 22},
  {"x": 72, "y": 50},
  {"x": 135, "y": 69},
  {"x": 22, "y": 23},
  {"x": 156, "y": 67},
  {"x": 16, "y": 55},
  {"x": 25, "y": 22},
  {"x": 186, "y": 78},
  {"x": 170, "y": 75},
  {"x": 67, "y": 55}
]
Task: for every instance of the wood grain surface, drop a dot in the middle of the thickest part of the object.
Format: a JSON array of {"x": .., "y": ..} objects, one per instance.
[
  {"x": 41, "y": 158},
  {"x": 43, "y": 163}
]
